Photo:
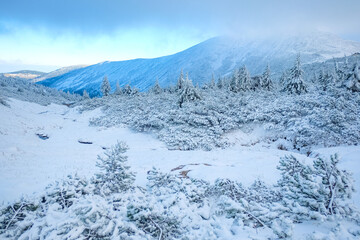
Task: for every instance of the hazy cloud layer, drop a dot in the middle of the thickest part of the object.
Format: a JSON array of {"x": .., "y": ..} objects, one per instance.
[
  {"x": 105, "y": 16},
  {"x": 68, "y": 32}
]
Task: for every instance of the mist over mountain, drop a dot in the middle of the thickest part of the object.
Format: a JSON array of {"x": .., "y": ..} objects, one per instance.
[{"x": 218, "y": 56}]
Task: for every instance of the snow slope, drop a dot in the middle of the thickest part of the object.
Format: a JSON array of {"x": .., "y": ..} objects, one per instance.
[
  {"x": 218, "y": 56},
  {"x": 28, "y": 164},
  {"x": 57, "y": 72}
]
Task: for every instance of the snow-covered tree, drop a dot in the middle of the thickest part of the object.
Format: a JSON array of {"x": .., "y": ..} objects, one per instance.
[
  {"x": 220, "y": 83},
  {"x": 338, "y": 72},
  {"x": 295, "y": 83},
  {"x": 284, "y": 78},
  {"x": 156, "y": 89},
  {"x": 335, "y": 185},
  {"x": 234, "y": 82},
  {"x": 118, "y": 90},
  {"x": 188, "y": 93},
  {"x": 105, "y": 87},
  {"x": 115, "y": 175},
  {"x": 265, "y": 79},
  {"x": 352, "y": 81},
  {"x": 245, "y": 82},
  {"x": 128, "y": 90},
  {"x": 181, "y": 81},
  {"x": 85, "y": 94},
  {"x": 212, "y": 82},
  {"x": 326, "y": 80}
]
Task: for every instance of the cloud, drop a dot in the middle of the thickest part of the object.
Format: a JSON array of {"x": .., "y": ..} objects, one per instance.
[
  {"x": 106, "y": 16},
  {"x": 90, "y": 31}
]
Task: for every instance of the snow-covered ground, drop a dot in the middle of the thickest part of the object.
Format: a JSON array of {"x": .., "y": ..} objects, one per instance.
[{"x": 28, "y": 163}]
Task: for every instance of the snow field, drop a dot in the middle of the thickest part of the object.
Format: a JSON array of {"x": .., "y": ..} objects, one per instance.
[{"x": 28, "y": 164}]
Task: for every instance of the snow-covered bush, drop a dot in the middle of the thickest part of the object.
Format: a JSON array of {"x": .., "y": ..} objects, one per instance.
[
  {"x": 327, "y": 118},
  {"x": 3, "y": 102},
  {"x": 314, "y": 192},
  {"x": 25, "y": 90},
  {"x": 170, "y": 207},
  {"x": 336, "y": 186},
  {"x": 299, "y": 190}
]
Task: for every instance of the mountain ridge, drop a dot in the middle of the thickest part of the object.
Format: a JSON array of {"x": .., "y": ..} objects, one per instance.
[{"x": 217, "y": 56}]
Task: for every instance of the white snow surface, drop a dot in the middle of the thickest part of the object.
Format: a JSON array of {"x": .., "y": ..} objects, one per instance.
[{"x": 28, "y": 164}]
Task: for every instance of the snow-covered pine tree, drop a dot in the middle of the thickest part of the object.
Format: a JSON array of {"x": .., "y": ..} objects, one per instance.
[
  {"x": 189, "y": 92},
  {"x": 322, "y": 80},
  {"x": 234, "y": 82},
  {"x": 329, "y": 81},
  {"x": 115, "y": 175},
  {"x": 118, "y": 90},
  {"x": 85, "y": 94},
  {"x": 105, "y": 87},
  {"x": 156, "y": 89},
  {"x": 335, "y": 185},
  {"x": 338, "y": 72},
  {"x": 295, "y": 83},
  {"x": 245, "y": 82},
  {"x": 220, "y": 83},
  {"x": 298, "y": 188},
  {"x": 283, "y": 78},
  {"x": 181, "y": 81},
  {"x": 127, "y": 90},
  {"x": 265, "y": 80},
  {"x": 346, "y": 64},
  {"x": 212, "y": 83},
  {"x": 352, "y": 81}
]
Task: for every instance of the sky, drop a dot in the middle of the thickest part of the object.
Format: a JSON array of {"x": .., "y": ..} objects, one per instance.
[{"x": 47, "y": 34}]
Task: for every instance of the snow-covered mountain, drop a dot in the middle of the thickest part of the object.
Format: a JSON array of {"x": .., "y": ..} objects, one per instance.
[
  {"x": 218, "y": 56},
  {"x": 26, "y": 74},
  {"x": 57, "y": 72}
]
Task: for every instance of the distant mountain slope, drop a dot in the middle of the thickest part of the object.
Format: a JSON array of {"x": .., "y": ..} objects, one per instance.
[
  {"x": 218, "y": 56},
  {"x": 26, "y": 74},
  {"x": 57, "y": 72}
]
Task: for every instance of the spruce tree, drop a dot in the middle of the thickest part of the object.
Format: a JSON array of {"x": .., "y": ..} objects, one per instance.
[
  {"x": 156, "y": 89},
  {"x": 105, "y": 87},
  {"x": 295, "y": 83},
  {"x": 127, "y": 90},
  {"x": 189, "y": 92},
  {"x": 180, "y": 83},
  {"x": 234, "y": 85},
  {"x": 338, "y": 72},
  {"x": 245, "y": 82},
  {"x": 115, "y": 175},
  {"x": 352, "y": 81},
  {"x": 85, "y": 94},
  {"x": 265, "y": 80},
  {"x": 212, "y": 83},
  {"x": 118, "y": 90},
  {"x": 283, "y": 78},
  {"x": 220, "y": 83}
]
